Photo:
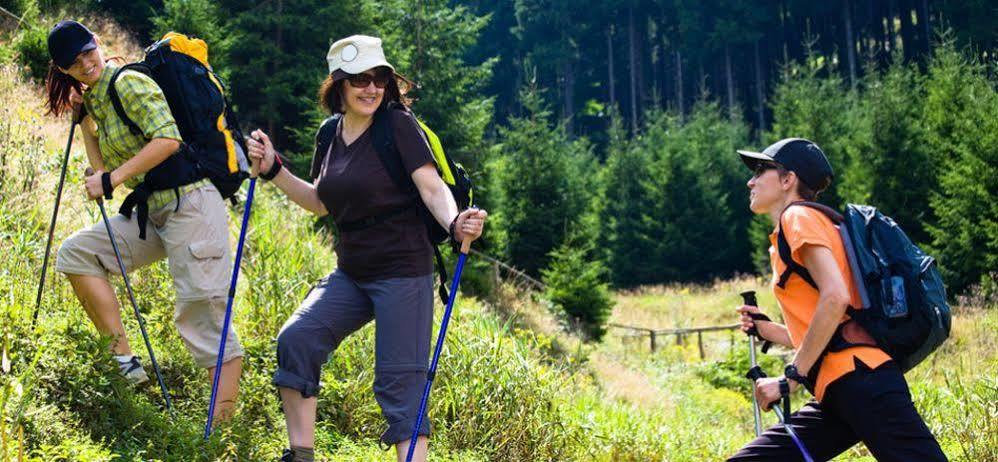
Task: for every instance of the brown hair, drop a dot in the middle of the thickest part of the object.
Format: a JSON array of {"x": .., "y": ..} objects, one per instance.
[
  {"x": 58, "y": 85},
  {"x": 803, "y": 190},
  {"x": 331, "y": 92}
]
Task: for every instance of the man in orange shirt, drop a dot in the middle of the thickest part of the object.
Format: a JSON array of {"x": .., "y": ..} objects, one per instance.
[{"x": 861, "y": 394}]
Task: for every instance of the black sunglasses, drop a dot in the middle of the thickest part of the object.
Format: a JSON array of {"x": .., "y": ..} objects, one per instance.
[{"x": 363, "y": 80}]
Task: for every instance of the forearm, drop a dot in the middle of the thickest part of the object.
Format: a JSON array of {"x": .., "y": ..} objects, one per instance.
[
  {"x": 151, "y": 155},
  {"x": 440, "y": 202},
  {"x": 826, "y": 319},
  {"x": 300, "y": 192},
  {"x": 91, "y": 143},
  {"x": 775, "y": 332}
]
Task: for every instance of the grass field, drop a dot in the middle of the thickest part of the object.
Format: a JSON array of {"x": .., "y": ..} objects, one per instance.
[{"x": 512, "y": 387}]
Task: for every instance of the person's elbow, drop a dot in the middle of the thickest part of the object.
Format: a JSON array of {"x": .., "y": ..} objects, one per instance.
[
  {"x": 168, "y": 145},
  {"x": 837, "y": 297}
]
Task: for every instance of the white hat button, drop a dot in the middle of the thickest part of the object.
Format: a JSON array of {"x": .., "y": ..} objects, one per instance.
[{"x": 349, "y": 53}]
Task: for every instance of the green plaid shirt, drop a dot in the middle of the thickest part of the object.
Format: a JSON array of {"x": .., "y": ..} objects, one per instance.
[{"x": 146, "y": 105}]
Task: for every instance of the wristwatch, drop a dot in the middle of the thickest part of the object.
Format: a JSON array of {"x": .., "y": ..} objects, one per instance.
[{"x": 792, "y": 373}]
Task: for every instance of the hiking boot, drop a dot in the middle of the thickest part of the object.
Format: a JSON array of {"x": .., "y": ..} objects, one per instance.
[
  {"x": 131, "y": 369},
  {"x": 302, "y": 455}
]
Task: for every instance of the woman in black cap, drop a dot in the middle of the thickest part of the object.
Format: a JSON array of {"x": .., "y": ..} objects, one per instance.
[
  {"x": 189, "y": 224},
  {"x": 384, "y": 264},
  {"x": 860, "y": 392}
]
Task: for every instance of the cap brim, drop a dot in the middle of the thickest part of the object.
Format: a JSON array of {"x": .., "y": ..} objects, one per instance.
[
  {"x": 68, "y": 59},
  {"x": 753, "y": 159}
]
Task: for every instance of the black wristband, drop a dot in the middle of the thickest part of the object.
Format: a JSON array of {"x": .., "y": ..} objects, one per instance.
[
  {"x": 105, "y": 180},
  {"x": 275, "y": 168},
  {"x": 453, "y": 226}
]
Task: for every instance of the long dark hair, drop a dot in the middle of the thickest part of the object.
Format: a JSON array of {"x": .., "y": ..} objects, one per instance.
[
  {"x": 58, "y": 84},
  {"x": 331, "y": 92}
]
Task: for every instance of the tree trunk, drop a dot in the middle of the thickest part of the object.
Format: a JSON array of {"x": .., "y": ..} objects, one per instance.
[
  {"x": 609, "y": 59},
  {"x": 278, "y": 40},
  {"x": 850, "y": 43},
  {"x": 889, "y": 42},
  {"x": 760, "y": 90},
  {"x": 924, "y": 22},
  {"x": 907, "y": 31},
  {"x": 679, "y": 84},
  {"x": 568, "y": 77},
  {"x": 730, "y": 80},
  {"x": 632, "y": 56}
]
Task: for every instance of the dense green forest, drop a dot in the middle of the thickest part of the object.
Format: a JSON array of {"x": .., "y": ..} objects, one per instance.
[{"x": 610, "y": 126}]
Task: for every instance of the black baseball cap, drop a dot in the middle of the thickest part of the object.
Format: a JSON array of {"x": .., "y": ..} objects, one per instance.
[
  {"x": 68, "y": 39},
  {"x": 797, "y": 155}
]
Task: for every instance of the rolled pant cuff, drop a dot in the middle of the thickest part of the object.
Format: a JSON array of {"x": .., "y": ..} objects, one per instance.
[
  {"x": 402, "y": 430},
  {"x": 287, "y": 379}
]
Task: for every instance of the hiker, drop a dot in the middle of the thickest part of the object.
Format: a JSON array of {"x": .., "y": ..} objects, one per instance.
[
  {"x": 860, "y": 392},
  {"x": 384, "y": 257},
  {"x": 188, "y": 224}
]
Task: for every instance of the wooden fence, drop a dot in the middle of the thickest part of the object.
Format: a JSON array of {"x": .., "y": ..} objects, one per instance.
[{"x": 680, "y": 333}]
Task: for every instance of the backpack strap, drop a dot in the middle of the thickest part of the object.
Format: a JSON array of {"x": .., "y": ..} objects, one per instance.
[
  {"x": 383, "y": 136},
  {"x": 783, "y": 247},
  {"x": 112, "y": 92},
  {"x": 324, "y": 140}
]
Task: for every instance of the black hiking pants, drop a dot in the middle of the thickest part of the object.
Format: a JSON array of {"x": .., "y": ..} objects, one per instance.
[{"x": 872, "y": 406}]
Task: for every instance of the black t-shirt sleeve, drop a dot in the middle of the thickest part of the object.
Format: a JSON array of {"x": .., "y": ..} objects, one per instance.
[{"x": 412, "y": 146}]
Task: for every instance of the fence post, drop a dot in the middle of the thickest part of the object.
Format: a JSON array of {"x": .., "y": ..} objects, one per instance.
[
  {"x": 700, "y": 344},
  {"x": 652, "y": 336}
]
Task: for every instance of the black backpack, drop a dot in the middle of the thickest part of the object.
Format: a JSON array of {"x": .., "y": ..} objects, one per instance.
[
  {"x": 903, "y": 297},
  {"x": 213, "y": 146},
  {"x": 383, "y": 138}
]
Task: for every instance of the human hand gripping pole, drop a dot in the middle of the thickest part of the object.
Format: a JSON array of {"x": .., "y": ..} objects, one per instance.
[
  {"x": 756, "y": 373},
  {"x": 131, "y": 297},
  {"x": 228, "y": 306},
  {"x": 432, "y": 371}
]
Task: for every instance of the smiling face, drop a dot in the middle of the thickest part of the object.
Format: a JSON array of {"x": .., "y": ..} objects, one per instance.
[
  {"x": 767, "y": 189},
  {"x": 87, "y": 67},
  {"x": 362, "y": 101}
]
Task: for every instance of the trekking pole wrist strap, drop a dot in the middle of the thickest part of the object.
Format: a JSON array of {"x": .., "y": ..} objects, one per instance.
[
  {"x": 275, "y": 168},
  {"x": 105, "y": 180},
  {"x": 452, "y": 229},
  {"x": 754, "y": 331}
]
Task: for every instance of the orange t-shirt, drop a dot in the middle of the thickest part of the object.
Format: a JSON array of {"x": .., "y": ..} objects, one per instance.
[{"x": 798, "y": 300}]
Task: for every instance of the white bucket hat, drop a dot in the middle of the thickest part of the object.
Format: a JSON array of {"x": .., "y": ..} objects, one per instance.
[{"x": 356, "y": 54}]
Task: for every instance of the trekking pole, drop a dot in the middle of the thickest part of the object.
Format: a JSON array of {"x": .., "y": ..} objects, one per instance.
[
  {"x": 432, "y": 372},
  {"x": 55, "y": 214},
  {"x": 749, "y": 299},
  {"x": 135, "y": 306},
  {"x": 755, "y": 373},
  {"x": 228, "y": 308}
]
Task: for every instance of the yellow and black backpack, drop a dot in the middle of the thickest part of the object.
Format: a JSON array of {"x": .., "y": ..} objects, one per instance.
[{"x": 213, "y": 147}]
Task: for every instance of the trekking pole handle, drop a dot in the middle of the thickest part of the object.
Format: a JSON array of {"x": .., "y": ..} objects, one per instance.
[
  {"x": 466, "y": 244},
  {"x": 748, "y": 298}
]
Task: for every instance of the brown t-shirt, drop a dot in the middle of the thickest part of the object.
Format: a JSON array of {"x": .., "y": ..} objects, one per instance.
[{"x": 354, "y": 185}]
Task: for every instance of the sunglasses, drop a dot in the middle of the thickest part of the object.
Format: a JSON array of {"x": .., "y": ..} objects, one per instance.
[
  {"x": 762, "y": 168},
  {"x": 363, "y": 80}
]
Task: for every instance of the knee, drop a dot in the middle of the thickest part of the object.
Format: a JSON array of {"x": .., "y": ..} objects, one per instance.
[{"x": 297, "y": 338}]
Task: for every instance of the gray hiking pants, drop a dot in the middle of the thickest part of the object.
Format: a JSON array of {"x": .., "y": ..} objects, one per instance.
[{"x": 402, "y": 309}]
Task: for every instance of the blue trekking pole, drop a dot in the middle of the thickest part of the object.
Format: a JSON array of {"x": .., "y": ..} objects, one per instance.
[
  {"x": 432, "y": 372},
  {"x": 228, "y": 308},
  {"x": 755, "y": 373},
  {"x": 131, "y": 297}
]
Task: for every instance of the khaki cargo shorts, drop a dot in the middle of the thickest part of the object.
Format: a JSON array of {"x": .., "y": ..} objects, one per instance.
[{"x": 194, "y": 238}]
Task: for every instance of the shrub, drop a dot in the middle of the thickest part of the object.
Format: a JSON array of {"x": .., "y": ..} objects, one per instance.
[{"x": 578, "y": 285}]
